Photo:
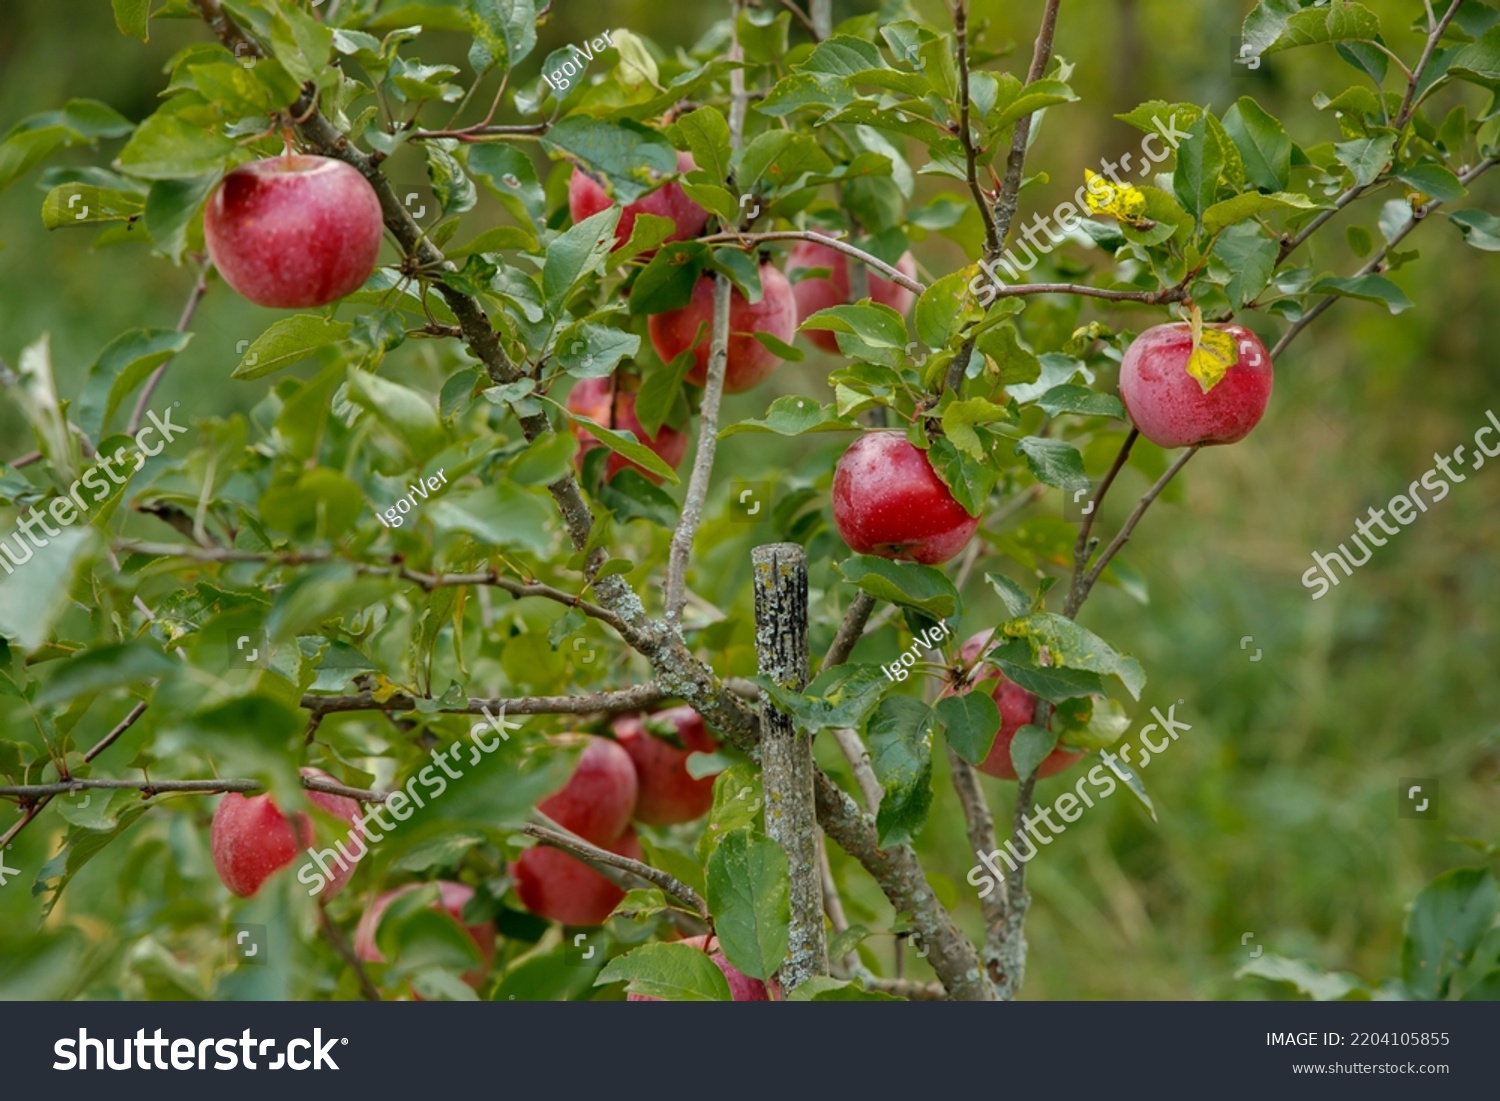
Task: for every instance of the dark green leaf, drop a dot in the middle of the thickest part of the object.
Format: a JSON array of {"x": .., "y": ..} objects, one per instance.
[
  {"x": 970, "y": 721},
  {"x": 1445, "y": 925},
  {"x": 1030, "y": 748},
  {"x": 1371, "y": 288},
  {"x": 1054, "y": 462},
  {"x": 1075, "y": 647},
  {"x": 631, "y": 159},
  {"x": 900, "y": 740},
  {"x": 289, "y": 341},
  {"x": 671, "y": 972},
  {"x": 749, "y": 897},
  {"x": 905, "y": 584}
]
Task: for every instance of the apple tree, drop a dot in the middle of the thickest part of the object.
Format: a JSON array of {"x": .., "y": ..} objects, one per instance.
[{"x": 625, "y": 696}]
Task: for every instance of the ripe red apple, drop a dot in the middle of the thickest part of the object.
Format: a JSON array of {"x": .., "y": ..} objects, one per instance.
[
  {"x": 590, "y": 398},
  {"x": 587, "y": 197},
  {"x": 554, "y": 885},
  {"x": 1169, "y": 405},
  {"x": 597, "y": 801},
  {"x": 749, "y": 361},
  {"x": 452, "y": 898},
  {"x": 887, "y": 500},
  {"x": 820, "y": 292},
  {"x": 251, "y": 839},
  {"x": 668, "y": 794},
  {"x": 293, "y": 232},
  {"x": 1017, "y": 708},
  {"x": 742, "y": 988}
]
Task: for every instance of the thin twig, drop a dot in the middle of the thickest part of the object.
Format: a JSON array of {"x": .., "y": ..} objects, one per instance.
[
  {"x": 838, "y": 244},
  {"x": 1135, "y": 518},
  {"x": 1082, "y": 548},
  {"x": 1414, "y": 78},
  {"x": 200, "y": 287},
  {"x": 151, "y": 788},
  {"x": 849, "y": 631},
  {"x": 803, "y": 18},
  {"x": 1010, "y": 188},
  {"x": 718, "y": 365},
  {"x": 340, "y": 944},
  {"x": 574, "y": 845},
  {"x": 604, "y": 703},
  {"x": 992, "y": 240}
]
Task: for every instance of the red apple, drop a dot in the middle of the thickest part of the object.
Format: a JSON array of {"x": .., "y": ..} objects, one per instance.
[
  {"x": 1017, "y": 709},
  {"x": 590, "y": 398},
  {"x": 887, "y": 500},
  {"x": 1170, "y": 407},
  {"x": 820, "y": 292},
  {"x": 251, "y": 839},
  {"x": 597, "y": 801},
  {"x": 587, "y": 197},
  {"x": 742, "y": 988},
  {"x": 750, "y": 361},
  {"x": 293, "y": 232},
  {"x": 554, "y": 885},
  {"x": 452, "y": 898},
  {"x": 668, "y": 794}
]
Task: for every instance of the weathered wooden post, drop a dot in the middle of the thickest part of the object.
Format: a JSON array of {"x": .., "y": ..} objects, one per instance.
[{"x": 786, "y": 753}]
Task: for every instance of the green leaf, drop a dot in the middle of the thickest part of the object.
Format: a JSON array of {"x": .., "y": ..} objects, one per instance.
[
  {"x": 1030, "y": 747},
  {"x": 1034, "y": 97},
  {"x": 1445, "y": 925},
  {"x": 970, "y": 722},
  {"x": 588, "y": 349},
  {"x": 1371, "y": 288},
  {"x": 1054, "y": 462},
  {"x": 289, "y": 341},
  {"x": 581, "y": 251},
  {"x": 74, "y": 204},
  {"x": 81, "y": 121},
  {"x": 671, "y": 972},
  {"x": 796, "y": 91},
  {"x": 1338, "y": 21},
  {"x": 1002, "y": 345},
  {"x": 905, "y": 584},
  {"x": 302, "y": 43},
  {"x": 631, "y": 159},
  {"x": 1433, "y": 180},
  {"x": 451, "y": 186},
  {"x": 866, "y": 329},
  {"x": 944, "y": 309},
  {"x": 1478, "y": 61},
  {"x": 738, "y": 804},
  {"x": 668, "y": 280},
  {"x": 662, "y": 392},
  {"x": 1320, "y": 986},
  {"x": 707, "y": 137},
  {"x": 795, "y": 416},
  {"x": 1199, "y": 163},
  {"x": 1366, "y": 158},
  {"x": 969, "y": 481},
  {"x": 837, "y": 697},
  {"x": 843, "y": 55},
  {"x": 1252, "y": 204},
  {"x": 31, "y": 601},
  {"x": 960, "y": 417},
  {"x": 129, "y": 663},
  {"x": 1052, "y": 682},
  {"x": 82, "y": 844},
  {"x": 1263, "y": 144},
  {"x": 1075, "y": 647},
  {"x": 133, "y": 17},
  {"x": 1480, "y": 230},
  {"x": 1081, "y": 400},
  {"x": 171, "y": 208},
  {"x": 626, "y": 445},
  {"x": 900, "y": 740},
  {"x": 409, "y": 416},
  {"x": 822, "y": 988},
  {"x": 506, "y": 172},
  {"x": 504, "y": 32},
  {"x": 169, "y": 147},
  {"x": 1133, "y": 784},
  {"x": 1248, "y": 259},
  {"x": 749, "y": 897},
  {"x": 1017, "y": 600},
  {"x": 122, "y": 366}
]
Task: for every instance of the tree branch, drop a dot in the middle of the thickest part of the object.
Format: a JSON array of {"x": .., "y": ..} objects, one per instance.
[
  {"x": 151, "y": 788},
  {"x": 1082, "y": 548},
  {"x": 200, "y": 287},
  {"x": 625, "y": 699},
  {"x": 1135, "y": 518},
  {"x": 567, "y": 841},
  {"x": 838, "y": 244},
  {"x": 1010, "y": 187},
  {"x": 992, "y": 239}
]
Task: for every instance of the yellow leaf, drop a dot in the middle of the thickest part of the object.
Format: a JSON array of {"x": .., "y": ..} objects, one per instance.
[
  {"x": 1121, "y": 201},
  {"x": 1214, "y": 352},
  {"x": 385, "y": 689}
]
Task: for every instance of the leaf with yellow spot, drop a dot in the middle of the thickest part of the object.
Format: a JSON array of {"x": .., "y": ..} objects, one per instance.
[
  {"x": 1214, "y": 352},
  {"x": 1122, "y": 201},
  {"x": 385, "y": 689}
]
